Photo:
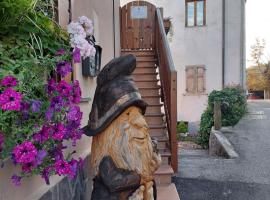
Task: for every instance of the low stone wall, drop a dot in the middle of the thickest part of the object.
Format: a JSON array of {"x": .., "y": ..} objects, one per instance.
[
  {"x": 78, "y": 189},
  {"x": 219, "y": 145}
]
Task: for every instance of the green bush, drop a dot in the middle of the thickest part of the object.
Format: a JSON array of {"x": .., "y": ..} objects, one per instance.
[
  {"x": 182, "y": 127},
  {"x": 233, "y": 107}
]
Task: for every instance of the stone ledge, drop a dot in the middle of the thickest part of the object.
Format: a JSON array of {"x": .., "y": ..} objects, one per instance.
[{"x": 219, "y": 145}]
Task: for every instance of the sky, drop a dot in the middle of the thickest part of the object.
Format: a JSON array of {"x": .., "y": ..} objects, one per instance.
[{"x": 257, "y": 24}]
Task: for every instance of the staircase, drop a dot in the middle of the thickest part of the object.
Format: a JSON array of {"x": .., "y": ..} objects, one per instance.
[{"x": 146, "y": 77}]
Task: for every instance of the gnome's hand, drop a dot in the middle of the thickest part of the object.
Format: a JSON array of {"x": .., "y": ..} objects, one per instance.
[
  {"x": 149, "y": 191},
  {"x": 138, "y": 194}
]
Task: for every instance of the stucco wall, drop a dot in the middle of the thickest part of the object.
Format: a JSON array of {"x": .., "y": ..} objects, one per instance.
[
  {"x": 101, "y": 12},
  {"x": 203, "y": 46}
]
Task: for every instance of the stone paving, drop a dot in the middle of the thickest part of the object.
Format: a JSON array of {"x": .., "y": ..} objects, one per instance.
[{"x": 247, "y": 177}]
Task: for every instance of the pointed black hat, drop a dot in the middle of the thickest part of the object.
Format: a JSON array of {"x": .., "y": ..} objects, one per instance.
[{"x": 115, "y": 92}]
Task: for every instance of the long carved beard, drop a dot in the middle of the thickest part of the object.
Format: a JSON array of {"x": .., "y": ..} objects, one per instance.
[{"x": 128, "y": 142}]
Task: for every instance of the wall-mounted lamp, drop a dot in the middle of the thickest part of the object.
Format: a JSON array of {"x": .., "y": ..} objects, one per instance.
[{"x": 91, "y": 66}]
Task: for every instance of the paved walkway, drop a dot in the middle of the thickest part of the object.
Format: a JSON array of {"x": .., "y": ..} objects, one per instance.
[{"x": 202, "y": 177}]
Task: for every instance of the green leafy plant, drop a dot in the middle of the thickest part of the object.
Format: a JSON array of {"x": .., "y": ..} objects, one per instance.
[
  {"x": 233, "y": 107},
  {"x": 182, "y": 127}
]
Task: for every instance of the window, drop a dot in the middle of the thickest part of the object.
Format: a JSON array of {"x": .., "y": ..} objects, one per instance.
[
  {"x": 195, "y": 79},
  {"x": 195, "y": 12}
]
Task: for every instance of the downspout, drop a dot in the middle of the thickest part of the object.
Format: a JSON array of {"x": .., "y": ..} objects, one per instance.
[
  {"x": 114, "y": 29},
  {"x": 223, "y": 43},
  {"x": 243, "y": 46}
]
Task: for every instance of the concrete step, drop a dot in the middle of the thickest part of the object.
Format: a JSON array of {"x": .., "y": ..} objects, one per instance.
[
  {"x": 167, "y": 192},
  {"x": 193, "y": 153},
  {"x": 164, "y": 175}
]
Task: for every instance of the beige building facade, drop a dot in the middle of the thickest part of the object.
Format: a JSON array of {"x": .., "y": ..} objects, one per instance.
[{"x": 207, "y": 41}]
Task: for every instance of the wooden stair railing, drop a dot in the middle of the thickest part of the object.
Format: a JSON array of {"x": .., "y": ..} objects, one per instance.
[{"x": 168, "y": 79}]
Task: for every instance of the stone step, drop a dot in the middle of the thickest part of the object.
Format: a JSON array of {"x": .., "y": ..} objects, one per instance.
[
  {"x": 164, "y": 174},
  {"x": 167, "y": 192}
]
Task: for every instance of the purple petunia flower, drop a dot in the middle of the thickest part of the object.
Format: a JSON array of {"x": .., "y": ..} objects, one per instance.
[
  {"x": 59, "y": 132},
  {"x": 2, "y": 139},
  {"x": 60, "y": 52},
  {"x": 40, "y": 156},
  {"x": 75, "y": 135},
  {"x": 74, "y": 114},
  {"x": 64, "y": 88},
  {"x": 36, "y": 106},
  {"x": 25, "y": 106},
  {"x": 16, "y": 180},
  {"x": 28, "y": 167},
  {"x": 73, "y": 168},
  {"x": 76, "y": 55},
  {"x": 57, "y": 103},
  {"x": 57, "y": 152},
  {"x": 49, "y": 114},
  {"x": 45, "y": 174},
  {"x": 43, "y": 135},
  {"x": 76, "y": 96},
  {"x": 62, "y": 167},
  {"x": 9, "y": 81},
  {"x": 10, "y": 100},
  {"x": 63, "y": 68},
  {"x": 25, "y": 152},
  {"x": 51, "y": 86}
]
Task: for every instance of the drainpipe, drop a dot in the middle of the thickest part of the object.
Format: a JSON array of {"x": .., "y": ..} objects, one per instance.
[
  {"x": 223, "y": 42},
  {"x": 114, "y": 34}
]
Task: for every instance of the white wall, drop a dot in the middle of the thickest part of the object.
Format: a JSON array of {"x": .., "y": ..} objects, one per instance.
[
  {"x": 101, "y": 11},
  {"x": 235, "y": 42},
  {"x": 203, "y": 46}
]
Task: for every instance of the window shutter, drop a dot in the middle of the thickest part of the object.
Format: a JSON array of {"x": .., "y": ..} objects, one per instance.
[
  {"x": 200, "y": 79},
  {"x": 191, "y": 79}
]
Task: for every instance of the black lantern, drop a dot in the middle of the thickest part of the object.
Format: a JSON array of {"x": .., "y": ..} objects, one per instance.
[{"x": 91, "y": 66}]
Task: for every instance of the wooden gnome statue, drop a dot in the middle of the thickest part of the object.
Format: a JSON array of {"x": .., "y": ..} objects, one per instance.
[{"x": 123, "y": 157}]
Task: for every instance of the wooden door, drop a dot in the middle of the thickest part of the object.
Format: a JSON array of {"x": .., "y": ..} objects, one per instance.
[{"x": 138, "y": 25}]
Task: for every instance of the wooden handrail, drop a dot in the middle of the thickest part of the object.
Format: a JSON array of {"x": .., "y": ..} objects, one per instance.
[{"x": 168, "y": 79}]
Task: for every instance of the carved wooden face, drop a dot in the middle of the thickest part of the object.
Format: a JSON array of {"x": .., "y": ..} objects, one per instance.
[{"x": 128, "y": 142}]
